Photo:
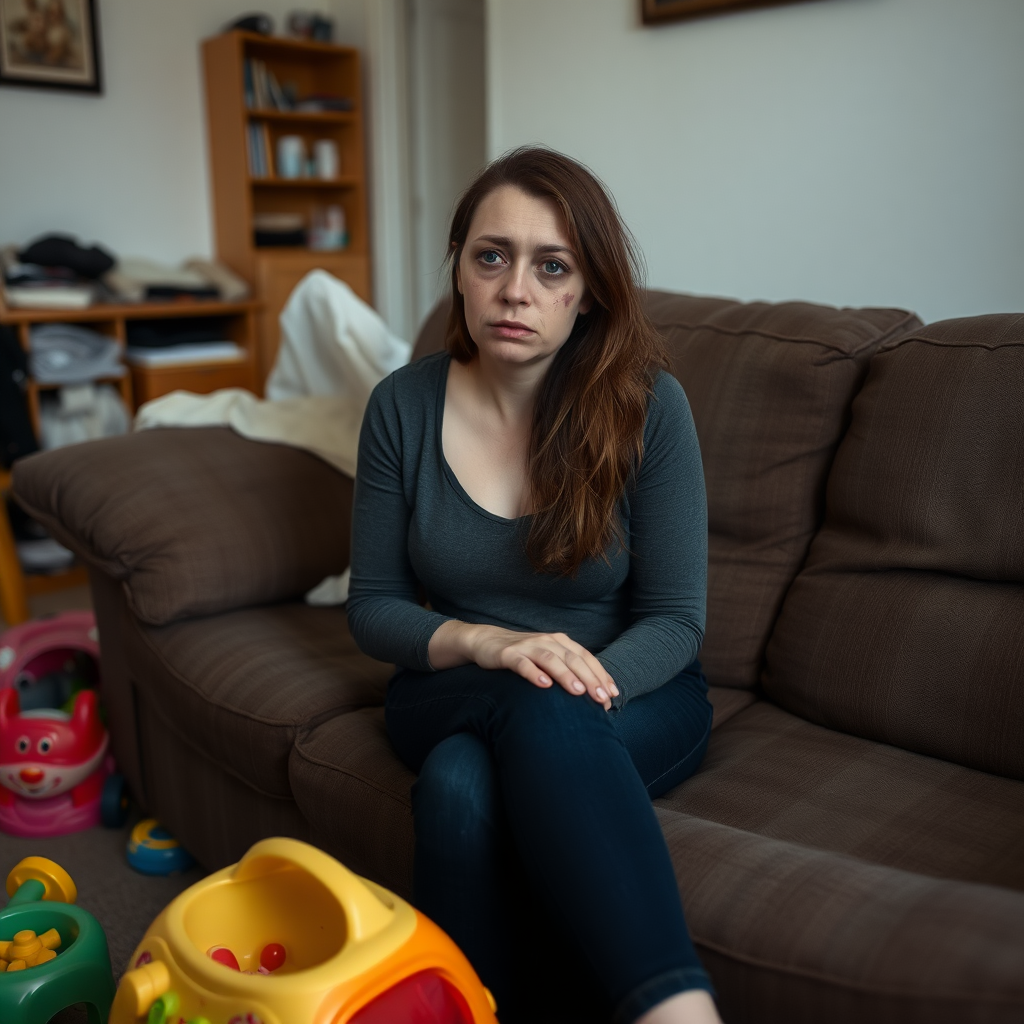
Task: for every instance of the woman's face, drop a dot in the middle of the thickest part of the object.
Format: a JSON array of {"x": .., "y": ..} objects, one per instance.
[{"x": 519, "y": 278}]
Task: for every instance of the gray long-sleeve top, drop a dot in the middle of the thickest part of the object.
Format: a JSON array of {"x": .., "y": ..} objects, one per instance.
[{"x": 642, "y": 613}]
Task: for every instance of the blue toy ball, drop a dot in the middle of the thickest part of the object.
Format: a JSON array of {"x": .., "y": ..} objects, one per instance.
[{"x": 152, "y": 850}]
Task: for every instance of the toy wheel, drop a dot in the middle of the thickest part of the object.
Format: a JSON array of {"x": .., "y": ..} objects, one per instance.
[
  {"x": 114, "y": 802},
  {"x": 57, "y": 883}
]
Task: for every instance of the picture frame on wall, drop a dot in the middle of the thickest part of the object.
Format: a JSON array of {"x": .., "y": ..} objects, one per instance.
[
  {"x": 656, "y": 11},
  {"x": 50, "y": 44}
]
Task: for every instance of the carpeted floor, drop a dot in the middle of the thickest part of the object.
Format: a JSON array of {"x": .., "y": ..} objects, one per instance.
[{"x": 123, "y": 901}]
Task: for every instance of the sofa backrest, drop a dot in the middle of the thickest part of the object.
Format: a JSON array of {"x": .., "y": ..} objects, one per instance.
[
  {"x": 770, "y": 386},
  {"x": 907, "y": 623}
]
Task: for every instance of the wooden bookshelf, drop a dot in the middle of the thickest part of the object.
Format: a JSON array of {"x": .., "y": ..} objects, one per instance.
[{"x": 238, "y": 195}]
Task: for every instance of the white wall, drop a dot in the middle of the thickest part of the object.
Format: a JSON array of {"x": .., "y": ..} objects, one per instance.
[
  {"x": 449, "y": 145},
  {"x": 853, "y": 152},
  {"x": 128, "y": 169}
]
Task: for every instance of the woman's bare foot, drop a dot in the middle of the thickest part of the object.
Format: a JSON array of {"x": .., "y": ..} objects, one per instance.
[{"x": 693, "y": 1007}]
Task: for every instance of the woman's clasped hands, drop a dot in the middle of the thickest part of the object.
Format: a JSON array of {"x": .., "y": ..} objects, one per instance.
[{"x": 540, "y": 658}]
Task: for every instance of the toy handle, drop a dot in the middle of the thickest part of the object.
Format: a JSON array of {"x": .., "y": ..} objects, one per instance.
[{"x": 39, "y": 878}]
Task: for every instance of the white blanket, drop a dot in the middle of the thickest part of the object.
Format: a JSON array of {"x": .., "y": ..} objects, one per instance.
[{"x": 334, "y": 350}]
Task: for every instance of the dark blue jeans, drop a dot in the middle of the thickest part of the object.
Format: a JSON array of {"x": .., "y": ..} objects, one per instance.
[{"x": 537, "y": 848}]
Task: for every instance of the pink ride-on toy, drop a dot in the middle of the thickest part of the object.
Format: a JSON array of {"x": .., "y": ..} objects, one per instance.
[
  {"x": 55, "y": 773},
  {"x": 48, "y": 660}
]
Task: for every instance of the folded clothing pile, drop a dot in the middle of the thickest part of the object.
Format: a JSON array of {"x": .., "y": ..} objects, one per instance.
[
  {"x": 66, "y": 354},
  {"x": 82, "y": 412},
  {"x": 138, "y": 280},
  {"x": 54, "y": 272}
]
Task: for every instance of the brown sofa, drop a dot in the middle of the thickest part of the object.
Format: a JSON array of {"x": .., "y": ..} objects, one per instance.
[{"x": 852, "y": 848}]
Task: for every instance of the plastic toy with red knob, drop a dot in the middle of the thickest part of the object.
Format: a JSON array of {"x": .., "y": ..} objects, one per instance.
[{"x": 290, "y": 936}]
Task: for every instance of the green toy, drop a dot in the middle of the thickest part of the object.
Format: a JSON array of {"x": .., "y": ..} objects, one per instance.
[{"x": 52, "y": 954}]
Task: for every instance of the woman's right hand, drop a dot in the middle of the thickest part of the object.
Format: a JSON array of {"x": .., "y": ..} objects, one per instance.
[{"x": 540, "y": 658}]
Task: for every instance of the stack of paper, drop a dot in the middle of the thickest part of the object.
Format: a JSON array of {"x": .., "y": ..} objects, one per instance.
[{"x": 185, "y": 354}]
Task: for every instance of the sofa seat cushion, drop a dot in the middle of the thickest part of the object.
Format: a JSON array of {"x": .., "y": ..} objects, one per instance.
[
  {"x": 770, "y": 773},
  {"x": 907, "y": 623},
  {"x": 355, "y": 793},
  {"x": 791, "y": 933},
  {"x": 241, "y": 685},
  {"x": 346, "y": 770}
]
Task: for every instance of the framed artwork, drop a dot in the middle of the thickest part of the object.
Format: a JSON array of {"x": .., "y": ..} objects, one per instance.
[
  {"x": 655, "y": 11},
  {"x": 53, "y": 44}
]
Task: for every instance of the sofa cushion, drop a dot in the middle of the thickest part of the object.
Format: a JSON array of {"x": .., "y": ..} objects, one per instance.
[
  {"x": 354, "y": 790},
  {"x": 241, "y": 685},
  {"x": 255, "y": 523},
  {"x": 790, "y": 933},
  {"x": 770, "y": 388},
  {"x": 770, "y": 773},
  {"x": 346, "y": 770},
  {"x": 907, "y": 624}
]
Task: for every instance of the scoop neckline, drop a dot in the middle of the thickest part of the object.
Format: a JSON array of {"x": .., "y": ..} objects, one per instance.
[{"x": 449, "y": 473}]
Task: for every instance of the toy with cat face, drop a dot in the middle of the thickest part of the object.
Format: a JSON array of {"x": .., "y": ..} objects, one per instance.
[{"x": 46, "y": 752}]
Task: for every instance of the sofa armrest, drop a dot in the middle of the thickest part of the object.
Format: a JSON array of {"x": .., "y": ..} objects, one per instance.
[{"x": 193, "y": 521}]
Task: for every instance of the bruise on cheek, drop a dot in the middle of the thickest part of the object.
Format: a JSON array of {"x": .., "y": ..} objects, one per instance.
[{"x": 567, "y": 299}]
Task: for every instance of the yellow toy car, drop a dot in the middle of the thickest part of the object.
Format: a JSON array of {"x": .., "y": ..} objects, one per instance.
[{"x": 290, "y": 936}]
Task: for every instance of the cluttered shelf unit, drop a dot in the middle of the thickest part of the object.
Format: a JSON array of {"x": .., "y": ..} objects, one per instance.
[
  {"x": 154, "y": 368},
  {"x": 142, "y": 381},
  {"x": 284, "y": 119}
]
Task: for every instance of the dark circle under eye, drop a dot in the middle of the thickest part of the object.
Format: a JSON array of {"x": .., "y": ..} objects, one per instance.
[
  {"x": 44, "y": 746},
  {"x": 23, "y": 744}
]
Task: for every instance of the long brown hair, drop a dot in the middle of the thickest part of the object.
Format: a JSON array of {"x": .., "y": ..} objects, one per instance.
[{"x": 588, "y": 422}]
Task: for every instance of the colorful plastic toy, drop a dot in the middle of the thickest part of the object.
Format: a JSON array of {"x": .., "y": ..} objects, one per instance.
[
  {"x": 152, "y": 850},
  {"x": 52, "y": 954},
  {"x": 54, "y": 767},
  {"x": 343, "y": 951},
  {"x": 49, "y": 660}
]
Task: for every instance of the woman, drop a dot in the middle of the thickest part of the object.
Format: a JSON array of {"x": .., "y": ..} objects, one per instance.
[{"x": 542, "y": 482}]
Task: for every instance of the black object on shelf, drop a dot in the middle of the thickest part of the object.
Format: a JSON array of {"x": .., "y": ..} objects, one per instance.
[
  {"x": 272, "y": 238},
  {"x": 64, "y": 251},
  {"x": 175, "y": 331},
  {"x": 261, "y": 23}
]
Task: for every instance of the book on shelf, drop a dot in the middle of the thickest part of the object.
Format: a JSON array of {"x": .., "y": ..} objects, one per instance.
[
  {"x": 185, "y": 354},
  {"x": 262, "y": 89},
  {"x": 260, "y": 162}
]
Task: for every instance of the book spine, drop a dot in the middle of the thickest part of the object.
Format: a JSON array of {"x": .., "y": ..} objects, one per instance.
[
  {"x": 268, "y": 151},
  {"x": 250, "y": 95},
  {"x": 251, "y": 151},
  {"x": 262, "y": 97}
]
